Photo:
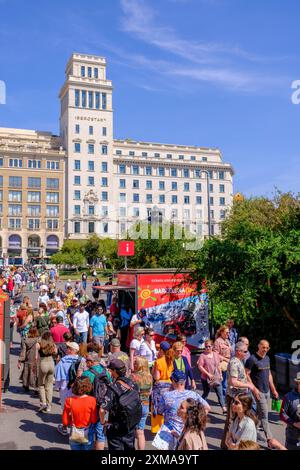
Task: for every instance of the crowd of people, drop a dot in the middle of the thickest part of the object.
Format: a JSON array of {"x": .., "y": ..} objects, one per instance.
[{"x": 113, "y": 373}]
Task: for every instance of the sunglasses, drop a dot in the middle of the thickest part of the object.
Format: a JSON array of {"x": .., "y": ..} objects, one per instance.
[
  {"x": 208, "y": 347},
  {"x": 178, "y": 350}
]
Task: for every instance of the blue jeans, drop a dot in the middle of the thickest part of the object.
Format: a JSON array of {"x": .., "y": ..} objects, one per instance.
[
  {"x": 218, "y": 390},
  {"x": 142, "y": 424},
  {"x": 99, "y": 432},
  {"x": 82, "y": 337},
  {"x": 224, "y": 383}
]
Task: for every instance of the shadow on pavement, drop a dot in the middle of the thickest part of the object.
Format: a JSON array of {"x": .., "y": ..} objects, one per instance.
[
  {"x": 50, "y": 418},
  {"x": 43, "y": 432},
  {"x": 47, "y": 448},
  {"x": 19, "y": 404}
]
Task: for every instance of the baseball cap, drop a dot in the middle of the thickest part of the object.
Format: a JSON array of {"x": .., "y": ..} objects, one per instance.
[
  {"x": 143, "y": 311},
  {"x": 115, "y": 342},
  {"x": 93, "y": 356},
  {"x": 178, "y": 376},
  {"x": 73, "y": 345},
  {"x": 164, "y": 345},
  {"x": 116, "y": 364}
]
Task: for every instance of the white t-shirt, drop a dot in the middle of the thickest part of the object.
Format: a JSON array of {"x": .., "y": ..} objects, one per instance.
[
  {"x": 148, "y": 352},
  {"x": 136, "y": 344},
  {"x": 43, "y": 299},
  {"x": 81, "y": 321}
]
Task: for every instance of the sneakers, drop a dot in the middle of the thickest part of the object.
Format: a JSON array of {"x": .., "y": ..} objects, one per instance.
[
  {"x": 62, "y": 430},
  {"x": 46, "y": 409},
  {"x": 224, "y": 411},
  {"x": 42, "y": 408}
]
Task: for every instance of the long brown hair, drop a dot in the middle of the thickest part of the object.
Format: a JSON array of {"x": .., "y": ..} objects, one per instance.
[
  {"x": 47, "y": 345},
  {"x": 196, "y": 416},
  {"x": 246, "y": 402},
  {"x": 169, "y": 356},
  {"x": 141, "y": 369}
]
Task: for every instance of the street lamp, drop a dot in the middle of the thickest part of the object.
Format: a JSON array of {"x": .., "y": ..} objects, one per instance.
[{"x": 208, "y": 201}]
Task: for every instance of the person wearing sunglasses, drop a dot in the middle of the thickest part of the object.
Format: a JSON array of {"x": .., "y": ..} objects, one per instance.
[
  {"x": 243, "y": 426},
  {"x": 259, "y": 372},
  {"x": 148, "y": 348},
  {"x": 237, "y": 382},
  {"x": 186, "y": 352},
  {"x": 181, "y": 363}
]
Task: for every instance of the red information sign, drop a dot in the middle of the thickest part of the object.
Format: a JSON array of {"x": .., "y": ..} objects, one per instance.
[{"x": 125, "y": 248}]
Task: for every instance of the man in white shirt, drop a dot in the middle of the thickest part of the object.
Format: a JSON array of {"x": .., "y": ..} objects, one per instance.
[
  {"x": 43, "y": 298},
  {"x": 81, "y": 324}
]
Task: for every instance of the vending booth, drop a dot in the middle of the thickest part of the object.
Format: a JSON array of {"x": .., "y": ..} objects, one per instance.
[
  {"x": 173, "y": 305},
  {"x": 4, "y": 342}
]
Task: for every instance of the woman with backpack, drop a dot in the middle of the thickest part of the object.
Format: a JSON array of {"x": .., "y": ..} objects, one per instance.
[
  {"x": 142, "y": 377},
  {"x": 81, "y": 413}
]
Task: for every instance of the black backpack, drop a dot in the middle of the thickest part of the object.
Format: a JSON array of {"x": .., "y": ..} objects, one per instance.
[
  {"x": 72, "y": 374},
  {"x": 100, "y": 384},
  {"x": 129, "y": 407}
]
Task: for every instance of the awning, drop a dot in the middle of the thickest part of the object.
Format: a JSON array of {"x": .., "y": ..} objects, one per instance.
[{"x": 114, "y": 287}]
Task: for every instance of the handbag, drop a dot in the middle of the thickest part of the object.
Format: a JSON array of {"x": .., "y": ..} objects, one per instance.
[
  {"x": 78, "y": 435},
  {"x": 224, "y": 366},
  {"x": 215, "y": 380}
]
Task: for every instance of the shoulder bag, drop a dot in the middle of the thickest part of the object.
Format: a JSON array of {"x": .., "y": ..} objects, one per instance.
[{"x": 78, "y": 435}]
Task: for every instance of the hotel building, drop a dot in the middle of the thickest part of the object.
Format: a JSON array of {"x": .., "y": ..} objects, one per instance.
[{"x": 103, "y": 185}]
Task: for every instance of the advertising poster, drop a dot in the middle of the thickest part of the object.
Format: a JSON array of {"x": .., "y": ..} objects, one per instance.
[{"x": 174, "y": 306}]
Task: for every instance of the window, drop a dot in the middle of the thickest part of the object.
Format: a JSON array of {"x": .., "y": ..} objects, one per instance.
[
  {"x": 83, "y": 98},
  {"x": 104, "y": 131},
  {"x": 77, "y": 98},
  {"x": 174, "y": 186},
  {"x": 34, "y": 211},
  {"x": 1, "y": 180},
  {"x": 204, "y": 159},
  {"x": 104, "y": 101},
  {"x": 122, "y": 197},
  {"x": 131, "y": 153},
  {"x": 149, "y": 198},
  {"x": 135, "y": 169},
  {"x": 197, "y": 173},
  {"x": 186, "y": 173},
  {"x": 136, "y": 197},
  {"x": 118, "y": 152},
  {"x": 14, "y": 209},
  {"x": 222, "y": 201},
  {"x": 91, "y": 99},
  {"x": 34, "y": 224},
  {"x": 77, "y": 128},
  {"x": 52, "y": 224},
  {"x": 199, "y": 214},
  {"x": 136, "y": 184},
  {"x": 148, "y": 170},
  {"x": 144, "y": 154},
  {"x": 174, "y": 214},
  {"x": 91, "y": 165},
  {"x": 34, "y": 182},
  {"x": 15, "y": 163},
  {"x": 161, "y": 199},
  {"x": 157, "y": 155},
  {"x": 104, "y": 211},
  {"x": 95, "y": 73},
  {"x": 1, "y": 161},
  {"x": 33, "y": 196},
  {"x": 52, "y": 211},
  {"x": 36, "y": 164},
  {"x": 91, "y": 148},
  {"x": 77, "y": 165},
  {"x": 77, "y": 147},
  {"x": 104, "y": 182},
  {"x": 91, "y": 181},
  {"x": 104, "y": 149},
  {"x": 52, "y": 165},
  {"x": 89, "y": 72},
  {"x": 186, "y": 214},
  {"x": 174, "y": 199},
  {"x": 76, "y": 227},
  {"x": 222, "y": 214},
  {"x": 52, "y": 198},
  {"x": 161, "y": 185},
  {"x": 198, "y": 187},
  {"x": 97, "y": 100},
  {"x": 91, "y": 210},
  {"x": 148, "y": 184},
  {"x": 52, "y": 183},
  {"x": 161, "y": 171},
  {"x": 122, "y": 211},
  {"x": 198, "y": 200},
  {"x": 1, "y": 195},
  {"x": 14, "y": 181},
  {"x": 105, "y": 227},
  {"x": 222, "y": 188},
  {"x": 122, "y": 184},
  {"x": 77, "y": 180},
  {"x": 199, "y": 229},
  {"x": 211, "y": 201},
  {"x": 212, "y": 214},
  {"x": 122, "y": 169},
  {"x": 14, "y": 196},
  {"x": 186, "y": 187},
  {"x": 186, "y": 199},
  {"x": 91, "y": 130},
  {"x": 174, "y": 172},
  {"x": 136, "y": 212},
  {"x": 77, "y": 195},
  {"x": 14, "y": 224},
  {"x": 221, "y": 175},
  {"x": 82, "y": 71},
  {"x": 181, "y": 157},
  {"x": 76, "y": 210},
  {"x": 104, "y": 167},
  {"x": 210, "y": 174},
  {"x": 193, "y": 158},
  {"x": 104, "y": 196},
  {"x": 169, "y": 156}
]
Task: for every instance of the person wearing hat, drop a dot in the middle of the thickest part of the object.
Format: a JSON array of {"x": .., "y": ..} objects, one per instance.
[
  {"x": 62, "y": 370},
  {"x": 119, "y": 437},
  {"x": 138, "y": 320},
  {"x": 116, "y": 353},
  {"x": 290, "y": 415},
  {"x": 172, "y": 399}
]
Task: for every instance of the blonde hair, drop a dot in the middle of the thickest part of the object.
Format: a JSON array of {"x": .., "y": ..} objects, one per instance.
[
  {"x": 177, "y": 344},
  {"x": 141, "y": 367},
  {"x": 248, "y": 445},
  {"x": 220, "y": 330}
]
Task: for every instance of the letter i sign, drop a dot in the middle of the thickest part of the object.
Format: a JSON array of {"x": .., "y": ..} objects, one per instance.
[{"x": 126, "y": 248}]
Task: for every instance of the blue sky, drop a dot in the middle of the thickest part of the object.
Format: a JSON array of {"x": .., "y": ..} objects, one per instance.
[{"x": 214, "y": 73}]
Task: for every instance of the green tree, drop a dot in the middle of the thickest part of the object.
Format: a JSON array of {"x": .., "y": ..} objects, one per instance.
[
  {"x": 91, "y": 249},
  {"x": 68, "y": 258}
]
